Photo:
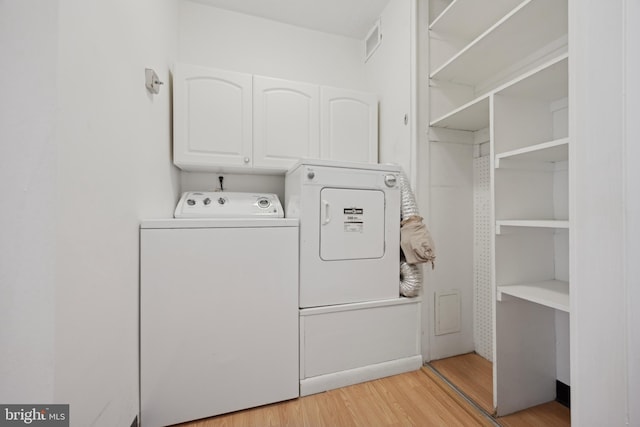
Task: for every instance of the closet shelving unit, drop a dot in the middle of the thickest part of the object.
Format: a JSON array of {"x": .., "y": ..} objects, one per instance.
[
  {"x": 531, "y": 184},
  {"x": 512, "y": 39},
  {"x": 503, "y": 66}
]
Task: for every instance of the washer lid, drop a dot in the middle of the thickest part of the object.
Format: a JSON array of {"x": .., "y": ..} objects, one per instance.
[{"x": 223, "y": 204}]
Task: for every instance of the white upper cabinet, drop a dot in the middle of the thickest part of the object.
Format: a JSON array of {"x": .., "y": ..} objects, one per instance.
[
  {"x": 349, "y": 121},
  {"x": 225, "y": 120},
  {"x": 286, "y": 121},
  {"x": 212, "y": 118}
]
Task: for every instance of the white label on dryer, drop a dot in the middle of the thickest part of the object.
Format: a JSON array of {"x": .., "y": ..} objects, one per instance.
[{"x": 353, "y": 220}]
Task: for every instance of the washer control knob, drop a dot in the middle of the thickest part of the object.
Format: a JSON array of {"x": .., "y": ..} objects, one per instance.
[
  {"x": 191, "y": 202},
  {"x": 390, "y": 180},
  {"x": 207, "y": 201},
  {"x": 263, "y": 203},
  {"x": 311, "y": 174}
]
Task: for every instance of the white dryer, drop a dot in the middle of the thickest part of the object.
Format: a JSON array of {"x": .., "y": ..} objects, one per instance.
[{"x": 349, "y": 230}]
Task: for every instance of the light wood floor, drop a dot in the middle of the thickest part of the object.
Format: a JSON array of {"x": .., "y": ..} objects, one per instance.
[
  {"x": 418, "y": 398},
  {"x": 551, "y": 414},
  {"x": 472, "y": 375}
]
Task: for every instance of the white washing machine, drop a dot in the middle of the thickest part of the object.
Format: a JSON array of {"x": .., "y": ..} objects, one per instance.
[
  {"x": 349, "y": 230},
  {"x": 218, "y": 308}
]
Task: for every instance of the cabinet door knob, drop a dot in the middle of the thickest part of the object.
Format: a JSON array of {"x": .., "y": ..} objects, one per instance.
[{"x": 246, "y": 160}]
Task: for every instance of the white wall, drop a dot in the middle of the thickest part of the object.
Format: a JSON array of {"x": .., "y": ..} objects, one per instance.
[
  {"x": 389, "y": 74},
  {"x": 113, "y": 169},
  {"x": 222, "y": 39},
  {"x": 28, "y": 48},
  {"x": 85, "y": 155},
  {"x": 451, "y": 220}
]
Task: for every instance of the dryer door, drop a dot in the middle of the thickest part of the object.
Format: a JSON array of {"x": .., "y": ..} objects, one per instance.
[{"x": 351, "y": 224}]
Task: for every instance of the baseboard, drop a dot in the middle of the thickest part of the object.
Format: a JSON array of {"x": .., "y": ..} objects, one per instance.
[
  {"x": 334, "y": 380},
  {"x": 563, "y": 394}
]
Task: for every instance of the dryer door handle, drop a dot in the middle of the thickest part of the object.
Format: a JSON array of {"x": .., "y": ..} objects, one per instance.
[{"x": 326, "y": 213}]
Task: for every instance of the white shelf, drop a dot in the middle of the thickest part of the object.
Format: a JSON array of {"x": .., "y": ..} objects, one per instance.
[
  {"x": 472, "y": 116},
  {"x": 508, "y": 41},
  {"x": 467, "y": 19},
  {"x": 551, "y": 293},
  {"x": 548, "y": 82},
  {"x": 531, "y": 223},
  {"x": 551, "y": 151}
]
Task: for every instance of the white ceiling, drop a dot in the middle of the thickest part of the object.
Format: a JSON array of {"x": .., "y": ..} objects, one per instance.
[{"x": 351, "y": 18}]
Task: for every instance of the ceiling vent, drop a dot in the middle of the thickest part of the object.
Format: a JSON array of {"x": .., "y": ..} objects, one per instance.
[{"x": 373, "y": 40}]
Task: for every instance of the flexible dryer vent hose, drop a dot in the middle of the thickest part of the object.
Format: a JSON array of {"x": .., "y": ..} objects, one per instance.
[
  {"x": 410, "y": 279},
  {"x": 420, "y": 239},
  {"x": 408, "y": 205}
]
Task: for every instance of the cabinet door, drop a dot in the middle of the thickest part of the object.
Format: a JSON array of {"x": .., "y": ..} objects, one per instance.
[
  {"x": 212, "y": 118},
  {"x": 349, "y": 125},
  {"x": 286, "y": 122}
]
